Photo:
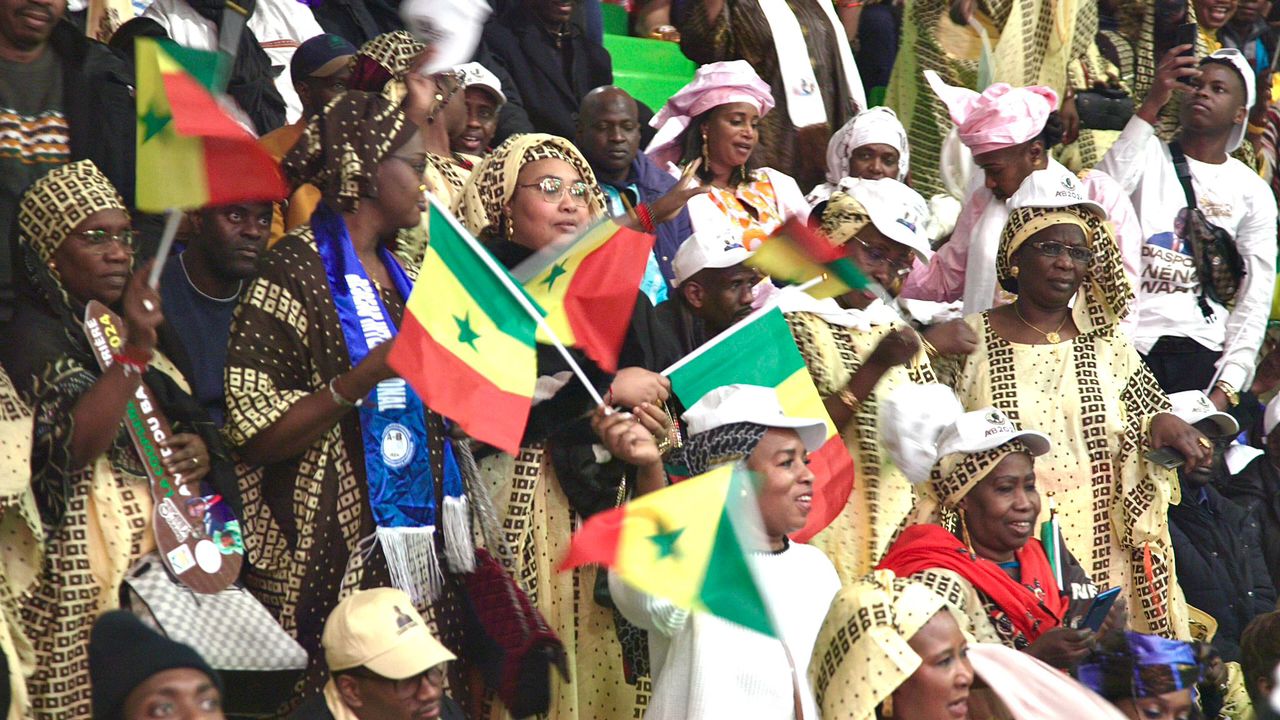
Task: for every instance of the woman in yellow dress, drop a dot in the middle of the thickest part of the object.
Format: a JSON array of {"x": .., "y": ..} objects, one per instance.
[
  {"x": 1066, "y": 370},
  {"x": 531, "y": 191}
]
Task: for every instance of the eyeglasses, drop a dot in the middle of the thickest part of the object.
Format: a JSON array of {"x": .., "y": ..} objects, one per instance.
[
  {"x": 554, "y": 188},
  {"x": 406, "y": 687},
  {"x": 1079, "y": 255},
  {"x": 875, "y": 256},
  {"x": 99, "y": 241}
]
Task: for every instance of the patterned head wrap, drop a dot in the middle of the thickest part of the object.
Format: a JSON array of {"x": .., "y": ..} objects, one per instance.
[
  {"x": 340, "y": 148},
  {"x": 726, "y": 443},
  {"x": 862, "y": 656},
  {"x": 493, "y": 182},
  {"x": 1105, "y": 296},
  {"x": 877, "y": 125},
  {"x": 384, "y": 59},
  {"x": 1133, "y": 665},
  {"x": 56, "y": 203},
  {"x": 843, "y": 218}
]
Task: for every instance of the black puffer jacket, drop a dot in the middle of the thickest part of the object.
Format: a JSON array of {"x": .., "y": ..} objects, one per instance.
[
  {"x": 1217, "y": 548},
  {"x": 1256, "y": 488}
]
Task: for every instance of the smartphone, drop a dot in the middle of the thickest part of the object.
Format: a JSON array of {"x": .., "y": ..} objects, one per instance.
[
  {"x": 1166, "y": 457},
  {"x": 1186, "y": 35},
  {"x": 1097, "y": 612}
]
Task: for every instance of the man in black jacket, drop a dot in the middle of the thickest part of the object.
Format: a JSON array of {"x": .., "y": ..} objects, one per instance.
[
  {"x": 64, "y": 98},
  {"x": 1256, "y": 488},
  {"x": 1217, "y": 544},
  {"x": 551, "y": 61}
]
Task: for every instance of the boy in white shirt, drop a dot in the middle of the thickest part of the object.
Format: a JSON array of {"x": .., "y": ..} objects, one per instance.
[{"x": 1189, "y": 341}]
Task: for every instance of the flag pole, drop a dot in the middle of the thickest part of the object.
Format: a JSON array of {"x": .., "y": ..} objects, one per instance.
[
  {"x": 172, "y": 218},
  {"x": 524, "y": 301}
]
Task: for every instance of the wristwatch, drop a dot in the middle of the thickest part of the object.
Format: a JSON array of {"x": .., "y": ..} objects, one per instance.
[{"x": 1233, "y": 397}]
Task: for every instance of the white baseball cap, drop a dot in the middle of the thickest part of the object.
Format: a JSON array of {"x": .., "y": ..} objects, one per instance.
[
  {"x": 897, "y": 211},
  {"x": 702, "y": 250},
  {"x": 1193, "y": 406},
  {"x": 1237, "y": 60},
  {"x": 751, "y": 404},
  {"x": 1052, "y": 187},
  {"x": 985, "y": 429},
  {"x": 1272, "y": 416},
  {"x": 476, "y": 75}
]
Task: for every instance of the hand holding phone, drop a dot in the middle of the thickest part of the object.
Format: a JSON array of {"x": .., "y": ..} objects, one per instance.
[{"x": 1098, "y": 610}]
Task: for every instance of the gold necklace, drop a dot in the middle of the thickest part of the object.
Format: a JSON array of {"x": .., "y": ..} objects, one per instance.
[{"x": 1053, "y": 337}]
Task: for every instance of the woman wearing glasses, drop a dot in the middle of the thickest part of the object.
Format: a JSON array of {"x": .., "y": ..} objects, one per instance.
[
  {"x": 1054, "y": 360},
  {"x": 857, "y": 352},
  {"x": 716, "y": 118},
  {"x": 534, "y": 190},
  {"x": 89, "y": 482}
]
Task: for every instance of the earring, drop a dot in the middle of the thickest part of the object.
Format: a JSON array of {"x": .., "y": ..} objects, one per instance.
[
  {"x": 1013, "y": 271},
  {"x": 742, "y": 173},
  {"x": 964, "y": 530},
  {"x": 506, "y": 224},
  {"x": 706, "y": 157},
  {"x": 886, "y": 707}
]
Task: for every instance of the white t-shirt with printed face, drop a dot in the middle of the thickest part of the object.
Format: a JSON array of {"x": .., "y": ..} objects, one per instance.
[{"x": 1232, "y": 197}]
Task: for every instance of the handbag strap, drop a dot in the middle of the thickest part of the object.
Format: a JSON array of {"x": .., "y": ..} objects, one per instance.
[{"x": 1183, "y": 170}]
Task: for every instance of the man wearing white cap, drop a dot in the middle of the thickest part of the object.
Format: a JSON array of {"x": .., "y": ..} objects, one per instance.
[
  {"x": 383, "y": 663},
  {"x": 705, "y": 667},
  {"x": 1217, "y": 544},
  {"x": 483, "y": 93},
  {"x": 714, "y": 289},
  {"x": 1010, "y": 132},
  {"x": 1192, "y": 337},
  {"x": 1256, "y": 488}
]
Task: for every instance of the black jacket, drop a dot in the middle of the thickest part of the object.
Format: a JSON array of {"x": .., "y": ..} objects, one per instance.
[
  {"x": 1257, "y": 489},
  {"x": 1218, "y": 553},
  {"x": 551, "y": 81},
  {"x": 97, "y": 101}
]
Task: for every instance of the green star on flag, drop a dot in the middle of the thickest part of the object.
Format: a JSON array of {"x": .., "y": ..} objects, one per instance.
[
  {"x": 556, "y": 271},
  {"x": 153, "y": 123},
  {"x": 665, "y": 540},
  {"x": 465, "y": 333}
]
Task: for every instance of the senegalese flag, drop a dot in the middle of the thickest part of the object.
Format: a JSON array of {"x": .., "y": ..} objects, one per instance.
[
  {"x": 191, "y": 153},
  {"x": 797, "y": 254},
  {"x": 760, "y": 351},
  {"x": 685, "y": 544},
  {"x": 589, "y": 287},
  {"x": 466, "y": 344}
]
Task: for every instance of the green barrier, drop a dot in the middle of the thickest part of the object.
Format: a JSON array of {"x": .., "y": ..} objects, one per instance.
[
  {"x": 616, "y": 21},
  {"x": 651, "y": 70}
]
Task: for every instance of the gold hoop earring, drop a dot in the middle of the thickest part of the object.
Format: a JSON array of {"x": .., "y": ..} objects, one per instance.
[
  {"x": 964, "y": 530},
  {"x": 1013, "y": 271},
  {"x": 706, "y": 156}
]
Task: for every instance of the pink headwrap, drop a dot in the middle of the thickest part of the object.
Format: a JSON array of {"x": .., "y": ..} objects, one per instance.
[
  {"x": 1002, "y": 116},
  {"x": 715, "y": 84}
]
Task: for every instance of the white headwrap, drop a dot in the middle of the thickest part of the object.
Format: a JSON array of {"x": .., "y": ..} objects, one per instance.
[{"x": 877, "y": 125}]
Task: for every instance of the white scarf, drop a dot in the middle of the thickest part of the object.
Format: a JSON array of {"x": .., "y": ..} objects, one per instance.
[{"x": 804, "y": 96}]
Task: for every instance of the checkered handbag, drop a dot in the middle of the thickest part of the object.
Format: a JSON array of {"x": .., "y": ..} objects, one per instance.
[{"x": 230, "y": 629}]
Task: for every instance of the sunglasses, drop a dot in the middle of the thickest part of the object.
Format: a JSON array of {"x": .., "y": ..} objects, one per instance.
[{"x": 554, "y": 188}]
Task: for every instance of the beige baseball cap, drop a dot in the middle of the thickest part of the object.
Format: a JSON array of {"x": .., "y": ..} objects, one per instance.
[{"x": 379, "y": 629}]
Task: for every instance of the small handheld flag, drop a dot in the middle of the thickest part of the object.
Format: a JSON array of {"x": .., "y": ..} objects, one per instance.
[
  {"x": 685, "y": 544},
  {"x": 796, "y": 254},
  {"x": 775, "y": 362}
]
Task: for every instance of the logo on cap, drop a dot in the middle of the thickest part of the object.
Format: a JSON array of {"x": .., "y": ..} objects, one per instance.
[
  {"x": 995, "y": 417},
  {"x": 907, "y": 223},
  {"x": 403, "y": 621}
]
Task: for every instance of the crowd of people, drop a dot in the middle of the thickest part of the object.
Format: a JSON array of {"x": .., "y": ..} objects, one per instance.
[{"x": 1057, "y": 389}]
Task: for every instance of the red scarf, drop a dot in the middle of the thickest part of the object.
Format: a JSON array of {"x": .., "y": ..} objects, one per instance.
[{"x": 926, "y": 547}]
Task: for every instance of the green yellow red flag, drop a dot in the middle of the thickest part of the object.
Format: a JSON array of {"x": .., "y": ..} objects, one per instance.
[
  {"x": 589, "y": 287},
  {"x": 466, "y": 343},
  {"x": 191, "y": 153},
  {"x": 759, "y": 350},
  {"x": 797, "y": 254},
  {"x": 684, "y": 544}
]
